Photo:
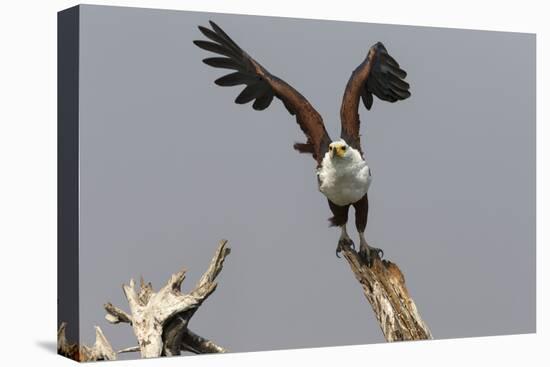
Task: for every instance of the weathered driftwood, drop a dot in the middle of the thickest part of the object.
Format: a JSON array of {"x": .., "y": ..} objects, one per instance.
[
  {"x": 63, "y": 346},
  {"x": 100, "y": 351},
  {"x": 384, "y": 287},
  {"x": 160, "y": 320}
]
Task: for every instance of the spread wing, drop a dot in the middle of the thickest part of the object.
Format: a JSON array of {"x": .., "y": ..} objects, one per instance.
[
  {"x": 378, "y": 74},
  {"x": 262, "y": 86}
]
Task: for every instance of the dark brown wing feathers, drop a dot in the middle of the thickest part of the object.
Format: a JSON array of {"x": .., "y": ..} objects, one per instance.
[
  {"x": 261, "y": 87},
  {"x": 380, "y": 75}
]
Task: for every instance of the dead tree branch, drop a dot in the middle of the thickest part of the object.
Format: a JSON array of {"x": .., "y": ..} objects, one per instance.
[
  {"x": 199, "y": 345},
  {"x": 129, "y": 350},
  {"x": 100, "y": 351},
  {"x": 384, "y": 287},
  {"x": 160, "y": 320}
]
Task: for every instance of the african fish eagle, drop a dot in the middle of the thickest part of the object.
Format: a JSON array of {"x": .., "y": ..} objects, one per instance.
[{"x": 342, "y": 173}]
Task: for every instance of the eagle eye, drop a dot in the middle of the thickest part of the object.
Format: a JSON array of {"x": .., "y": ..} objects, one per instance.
[
  {"x": 329, "y": 148},
  {"x": 344, "y": 148}
]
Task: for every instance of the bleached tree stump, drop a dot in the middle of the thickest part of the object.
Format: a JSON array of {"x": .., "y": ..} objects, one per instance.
[
  {"x": 160, "y": 320},
  {"x": 100, "y": 351},
  {"x": 384, "y": 287}
]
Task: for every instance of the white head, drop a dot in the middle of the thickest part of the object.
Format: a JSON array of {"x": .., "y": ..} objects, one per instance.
[{"x": 339, "y": 149}]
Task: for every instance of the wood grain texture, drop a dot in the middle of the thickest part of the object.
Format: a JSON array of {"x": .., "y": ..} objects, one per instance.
[
  {"x": 160, "y": 319},
  {"x": 384, "y": 287},
  {"x": 100, "y": 351}
]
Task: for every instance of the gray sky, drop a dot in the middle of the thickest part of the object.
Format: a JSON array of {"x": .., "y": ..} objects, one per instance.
[{"x": 169, "y": 165}]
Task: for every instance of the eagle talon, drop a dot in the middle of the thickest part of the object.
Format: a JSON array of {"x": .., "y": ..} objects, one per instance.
[
  {"x": 343, "y": 243},
  {"x": 368, "y": 254},
  {"x": 365, "y": 256}
]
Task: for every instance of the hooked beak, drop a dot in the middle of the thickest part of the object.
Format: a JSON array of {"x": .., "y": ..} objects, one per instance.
[{"x": 337, "y": 152}]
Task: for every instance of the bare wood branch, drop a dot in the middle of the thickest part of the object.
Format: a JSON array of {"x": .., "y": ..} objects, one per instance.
[
  {"x": 160, "y": 319},
  {"x": 65, "y": 348},
  {"x": 131, "y": 296},
  {"x": 129, "y": 350},
  {"x": 206, "y": 284},
  {"x": 216, "y": 265},
  {"x": 384, "y": 287},
  {"x": 115, "y": 315},
  {"x": 100, "y": 351},
  {"x": 173, "y": 333},
  {"x": 145, "y": 291},
  {"x": 190, "y": 342},
  {"x": 199, "y": 345}
]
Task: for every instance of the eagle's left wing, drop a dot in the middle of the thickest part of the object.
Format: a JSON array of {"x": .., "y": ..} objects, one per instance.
[
  {"x": 378, "y": 74},
  {"x": 262, "y": 86}
]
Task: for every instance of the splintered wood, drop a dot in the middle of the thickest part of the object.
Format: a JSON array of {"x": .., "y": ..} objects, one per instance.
[
  {"x": 160, "y": 319},
  {"x": 100, "y": 351},
  {"x": 384, "y": 287}
]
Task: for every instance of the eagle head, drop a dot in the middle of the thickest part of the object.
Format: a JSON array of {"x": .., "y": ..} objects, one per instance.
[{"x": 339, "y": 149}]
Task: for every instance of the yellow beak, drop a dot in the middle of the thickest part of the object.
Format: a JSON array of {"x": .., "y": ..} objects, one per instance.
[{"x": 338, "y": 151}]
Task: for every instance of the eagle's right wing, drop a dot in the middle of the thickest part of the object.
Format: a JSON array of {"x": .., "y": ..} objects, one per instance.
[{"x": 262, "y": 86}]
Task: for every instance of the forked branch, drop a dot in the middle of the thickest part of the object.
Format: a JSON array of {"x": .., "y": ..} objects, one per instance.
[{"x": 160, "y": 319}]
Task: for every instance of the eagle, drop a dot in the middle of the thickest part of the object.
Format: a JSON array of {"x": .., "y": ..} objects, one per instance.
[{"x": 343, "y": 174}]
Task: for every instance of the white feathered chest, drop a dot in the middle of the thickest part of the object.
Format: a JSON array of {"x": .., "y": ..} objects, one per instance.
[{"x": 344, "y": 180}]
